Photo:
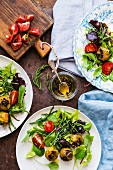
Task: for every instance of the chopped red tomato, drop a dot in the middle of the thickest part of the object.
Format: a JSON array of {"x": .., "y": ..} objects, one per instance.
[
  {"x": 91, "y": 48},
  {"x": 17, "y": 38},
  {"x": 38, "y": 141},
  {"x": 107, "y": 67},
  {"x": 16, "y": 45},
  {"x": 48, "y": 126},
  {"x": 29, "y": 17},
  {"x": 13, "y": 29},
  {"x": 13, "y": 97},
  {"x": 24, "y": 26},
  {"x": 21, "y": 19},
  {"x": 26, "y": 39},
  {"x": 9, "y": 38},
  {"x": 34, "y": 31}
]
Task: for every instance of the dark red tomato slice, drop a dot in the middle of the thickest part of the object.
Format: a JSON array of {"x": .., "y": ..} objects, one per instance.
[
  {"x": 16, "y": 45},
  {"x": 24, "y": 26},
  {"x": 13, "y": 29},
  {"x": 17, "y": 38},
  {"x": 91, "y": 48},
  {"x": 13, "y": 97},
  {"x": 38, "y": 141},
  {"x": 21, "y": 19},
  {"x": 107, "y": 67},
  {"x": 34, "y": 31},
  {"x": 9, "y": 38},
  {"x": 26, "y": 39},
  {"x": 48, "y": 126},
  {"x": 29, "y": 17}
]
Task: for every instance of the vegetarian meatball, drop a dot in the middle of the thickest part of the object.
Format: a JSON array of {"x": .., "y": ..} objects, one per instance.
[
  {"x": 4, "y": 117},
  {"x": 66, "y": 154},
  {"x": 4, "y": 103},
  {"x": 103, "y": 53},
  {"x": 51, "y": 153},
  {"x": 76, "y": 140}
]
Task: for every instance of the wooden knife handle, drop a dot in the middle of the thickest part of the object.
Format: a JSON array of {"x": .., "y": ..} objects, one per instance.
[{"x": 44, "y": 51}]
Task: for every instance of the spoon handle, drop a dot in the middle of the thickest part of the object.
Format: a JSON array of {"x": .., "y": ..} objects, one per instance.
[{"x": 52, "y": 65}]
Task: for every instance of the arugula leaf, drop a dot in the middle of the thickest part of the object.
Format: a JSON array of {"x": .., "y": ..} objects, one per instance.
[
  {"x": 98, "y": 71},
  {"x": 87, "y": 159},
  {"x": 87, "y": 126},
  {"x": 31, "y": 154},
  {"x": 50, "y": 138},
  {"x": 53, "y": 166},
  {"x": 88, "y": 141},
  {"x": 79, "y": 152},
  {"x": 7, "y": 69},
  {"x": 38, "y": 151},
  {"x": 111, "y": 76}
]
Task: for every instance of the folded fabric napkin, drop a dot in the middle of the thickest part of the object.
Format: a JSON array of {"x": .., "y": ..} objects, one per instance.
[
  {"x": 98, "y": 106},
  {"x": 67, "y": 15}
]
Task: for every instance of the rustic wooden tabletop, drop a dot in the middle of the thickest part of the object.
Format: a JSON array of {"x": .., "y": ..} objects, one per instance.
[{"x": 31, "y": 61}]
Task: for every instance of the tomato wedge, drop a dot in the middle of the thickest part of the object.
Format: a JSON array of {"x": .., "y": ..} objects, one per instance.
[
  {"x": 91, "y": 48},
  {"x": 13, "y": 29},
  {"x": 13, "y": 97},
  {"x": 21, "y": 19},
  {"x": 16, "y": 45},
  {"x": 29, "y": 17},
  {"x": 24, "y": 26},
  {"x": 26, "y": 39},
  {"x": 9, "y": 38},
  {"x": 17, "y": 38},
  {"x": 48, "y": 126},
  {"x": 107, "y": 68},
  {"x": 34, "y": 31},
  {"x": 38, "y": 141}
]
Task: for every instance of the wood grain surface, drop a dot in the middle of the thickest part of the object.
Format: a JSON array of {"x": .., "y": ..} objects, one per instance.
[{"x": 9, "y": 11}]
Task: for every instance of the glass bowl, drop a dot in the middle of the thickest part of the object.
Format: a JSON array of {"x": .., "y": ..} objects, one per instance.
[{"x": 71, "y": 82}]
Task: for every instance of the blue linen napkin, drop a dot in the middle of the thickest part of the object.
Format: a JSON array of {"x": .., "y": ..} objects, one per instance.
[
  {"x": 98, "y": 106},
  {"x": 67, "y": 14}
]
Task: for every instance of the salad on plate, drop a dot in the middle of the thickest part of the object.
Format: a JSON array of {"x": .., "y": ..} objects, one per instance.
[
  {"x": 12, "y": 92},
  {"x": 60, "y": 135},
  {"x": 98, "y": 52}
]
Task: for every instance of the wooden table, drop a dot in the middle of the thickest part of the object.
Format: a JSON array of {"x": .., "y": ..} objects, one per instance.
[{"x": 31, "y": 61}]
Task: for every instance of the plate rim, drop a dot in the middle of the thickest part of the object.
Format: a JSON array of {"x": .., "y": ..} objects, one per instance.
[
  {"x": 56, "y": 106},
  {"x": 93, "y": 82},
  {"x": 31, "y": 95}
]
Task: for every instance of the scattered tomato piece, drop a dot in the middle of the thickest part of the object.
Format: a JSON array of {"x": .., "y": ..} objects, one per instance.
[
  {"x": 13, "y": 29},
  {"x": 21, "y": 19},
  {"x": 9, "y": 38},
  {"x": 34, "y": 31},
  {"x": 38, "y": 141},
  {"x": 26, "y": 39},
  {"x": 29, "y": 17},
  {"x": 17, "y": 38},
  {"x": 16, "y": 45},
  {"x": 13, "y": 97},
  {"x": 91, "y": 48},
  {"x": 107, "y": 68},
  {"x": 24, "y": 26},
  {"x": 48, "y": 126}
]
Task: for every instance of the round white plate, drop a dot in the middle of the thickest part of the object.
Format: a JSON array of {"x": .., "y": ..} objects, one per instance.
[
  {"x": 103, "y": 13},
  {"x": 30, "y": 164},
  {"x": 4, "y": 130}
]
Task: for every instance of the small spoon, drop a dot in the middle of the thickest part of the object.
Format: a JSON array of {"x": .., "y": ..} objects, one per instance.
[{"x": 63, "y": 87}]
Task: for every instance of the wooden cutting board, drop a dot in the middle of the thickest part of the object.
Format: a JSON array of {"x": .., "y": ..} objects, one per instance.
[{"x": 9, "y": 11}]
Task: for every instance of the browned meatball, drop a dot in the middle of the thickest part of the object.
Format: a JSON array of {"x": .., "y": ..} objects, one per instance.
[
  {"x": 51, "y": 153},
  {"x": 76, "y": 140},
  {"x": 4, "y": 103},
  {"x": 66, "y": 154},
  {"x": 103, "y": 53}
]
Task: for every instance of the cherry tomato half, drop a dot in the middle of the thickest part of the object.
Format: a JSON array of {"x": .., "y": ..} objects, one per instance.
[
  {"x": 13, "y": 97},
  {"x": 26, "y": 39},
  {"x": 107, "y": 68},
  {"x": 48, "y": 126},
  {"x": 21, "y": 19},
  {"x": 34, "y": 31},
  {"x": 91, "y": 48},
  {"x": 17, "y": 38},
  {"x": 24, "y": 26},
  {"x": 38, "y": 141},
  {"x": 9, "y": 38},
  {"x": 13, "y": 29},
  {"x": 16, "y": 45},
  {"x": 29, "y": 17}
]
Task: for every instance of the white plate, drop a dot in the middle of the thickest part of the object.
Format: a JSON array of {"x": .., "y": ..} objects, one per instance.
[
  {"x": 30, "y": 164},
  {"x": 4, "y": 130},
  {"x": 103, "y": 13}
]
